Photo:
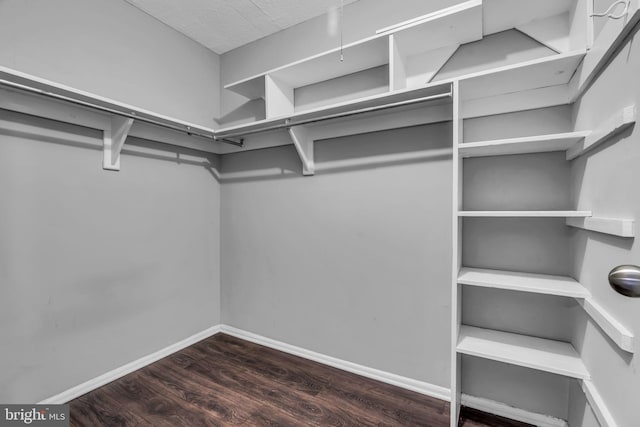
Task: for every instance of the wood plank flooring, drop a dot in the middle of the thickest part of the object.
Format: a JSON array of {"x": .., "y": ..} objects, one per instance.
[{"x": 225, "y": 381}]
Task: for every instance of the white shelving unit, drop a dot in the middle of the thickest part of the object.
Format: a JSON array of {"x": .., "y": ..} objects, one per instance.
[{"x": 413, "y": 52}]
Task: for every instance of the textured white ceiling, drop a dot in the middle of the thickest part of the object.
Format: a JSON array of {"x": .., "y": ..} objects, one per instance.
[{"x": 222, "y": 25}]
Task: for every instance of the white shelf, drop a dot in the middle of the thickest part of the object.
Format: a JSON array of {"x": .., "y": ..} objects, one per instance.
[
  {"x": 522, "y": 350},
  {"x": 361, "y": 55},
  {"x": 80, "y": 97},
  {"x": 522, "y": 145},
  {"x": 525, "y": 214},
  {"x": 370, "y": 101},
  {"x": 552, "y": 70},
  {"x": 524, "y": 282}
]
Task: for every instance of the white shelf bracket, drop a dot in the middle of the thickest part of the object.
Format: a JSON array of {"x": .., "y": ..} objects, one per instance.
[
  {"x": 599, "y": 407},
  {"x": 615, "y": 125},
  {"x": 623, "y": 337},
  {"x": 304, "y": 146},
  {"x": 113, "y": 139},
  {"x": 614, "y": 226}
]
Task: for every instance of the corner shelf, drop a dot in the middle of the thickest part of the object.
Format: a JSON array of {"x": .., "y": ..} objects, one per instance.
[
  {"x": 530, "y": 352},
  {"x": 522, "y": 145},
  {"x": 525, "y": 214},
  {"x": 523, "y": 282}
]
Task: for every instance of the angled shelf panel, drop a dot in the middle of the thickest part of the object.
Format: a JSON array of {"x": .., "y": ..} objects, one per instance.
[
  {"x": 524, "y": 282},
  {"x": 530, "y": 352},
  {"x": 522, "y": 145},
  {"x": 538, "y": 73},
  {"x": 455, "y": 25},
  {"x": 525, "y": 214},
  {"x": 251, "y": 87}
]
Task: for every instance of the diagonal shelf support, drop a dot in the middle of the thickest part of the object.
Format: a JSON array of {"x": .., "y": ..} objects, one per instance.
[
  {"x": 113, "y": 139},
  {"x": 615, "y": 125},
  {"x": 614, "y": 226},
  {"x": 614, "y": 329},
  {"x": 598, "y": 405},
  {"x": 303, "y": 142}
]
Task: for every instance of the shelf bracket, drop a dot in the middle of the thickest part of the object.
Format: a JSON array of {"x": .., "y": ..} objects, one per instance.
[
  {"x": 615, "y": 125},
  {"x": 113, "y": 139},
  {"x": 618, "y": 333},
  {"x": 614, "y": 226},
  {"x": 304, "y": 146}
]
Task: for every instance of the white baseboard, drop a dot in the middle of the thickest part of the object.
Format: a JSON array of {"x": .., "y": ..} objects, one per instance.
[
  {"x": 504, "y": 410},
  {"x": 427, "y": 389},
  {"x": 422, "y": 387},
  {"x": 113, "y": 375}
]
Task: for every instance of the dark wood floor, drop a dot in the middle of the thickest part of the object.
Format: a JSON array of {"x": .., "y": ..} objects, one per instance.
[{"x": 226, "y": 381}]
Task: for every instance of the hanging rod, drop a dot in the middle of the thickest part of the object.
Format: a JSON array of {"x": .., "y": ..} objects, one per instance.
[
  {"x": 132, "y": 115},
  {"x": 288, "y": 123}
]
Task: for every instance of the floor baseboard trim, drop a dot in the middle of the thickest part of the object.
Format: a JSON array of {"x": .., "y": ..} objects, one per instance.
[
  {"x": 504, "y": 410},
  {"x": 421, "y": 387},
  {"x": 85, "y": 387}
]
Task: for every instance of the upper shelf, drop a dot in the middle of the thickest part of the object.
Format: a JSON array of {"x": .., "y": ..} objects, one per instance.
[
  {"x": 440, "y": 92},
  {"x": 361, "y": 55},
  {"x": 455, "y": 25}
]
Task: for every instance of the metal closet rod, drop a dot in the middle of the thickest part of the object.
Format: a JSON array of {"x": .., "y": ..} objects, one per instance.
[
  {"x": 131, "y": 115},
  {"x": 288, "y": 123},
  {"x": 225, "y": 137}
]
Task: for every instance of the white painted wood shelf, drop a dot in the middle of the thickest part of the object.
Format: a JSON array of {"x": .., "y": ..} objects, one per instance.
[
  {"x": 525, "y": 214},
  {"x": 522, "y": 145},
  {"x": 524, "y": 282},
  {"x": 530, "y": 352},
  {"x": 550, "y": 285}
]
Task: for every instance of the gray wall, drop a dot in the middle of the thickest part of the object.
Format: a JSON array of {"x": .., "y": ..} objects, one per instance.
[
  {"x": 606, "y": 182},
  {"x": 101, "y": 268},
  {"x": 352, "y": 262},
  {"x": 110, "y": 48},
  {"x": 98, "y": 268}
]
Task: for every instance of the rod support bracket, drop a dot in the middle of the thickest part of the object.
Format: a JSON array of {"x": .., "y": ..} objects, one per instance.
[
  {"x": 112, "y": 140},
  {"x": 303, "y": 142}
]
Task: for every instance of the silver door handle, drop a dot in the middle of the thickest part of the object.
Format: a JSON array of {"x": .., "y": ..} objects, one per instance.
[{"x": 625, "y": 279}]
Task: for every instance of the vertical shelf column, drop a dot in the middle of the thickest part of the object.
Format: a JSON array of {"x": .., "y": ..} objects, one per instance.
[
  {"x": 397, "y": 72},
  {"x": 456, "y": 257},
  {"x": 279, "y": 97}
]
